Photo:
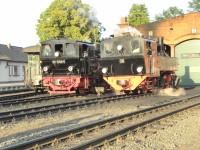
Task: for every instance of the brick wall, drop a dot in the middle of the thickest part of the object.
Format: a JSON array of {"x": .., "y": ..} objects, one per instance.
[{"x": 174, "y": 30}]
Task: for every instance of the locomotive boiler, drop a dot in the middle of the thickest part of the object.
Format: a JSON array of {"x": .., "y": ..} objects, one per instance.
[
  {"x": 68, "y": 66},
  {"x": 137, "y": 64}
]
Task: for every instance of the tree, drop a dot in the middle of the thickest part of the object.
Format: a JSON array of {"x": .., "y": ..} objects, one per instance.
[
  {"x": 69, "y": 18},
  {"x": 138, "y": 15},
  {"x": 194, "y": 5},
  {"x": 169, "y": 13}
]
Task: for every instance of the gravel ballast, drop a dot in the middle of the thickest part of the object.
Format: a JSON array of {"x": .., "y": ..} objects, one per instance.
[{"x": 182, "y": 135}]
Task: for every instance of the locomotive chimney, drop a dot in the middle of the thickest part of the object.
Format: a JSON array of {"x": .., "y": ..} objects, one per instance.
[
  {"x": 160, "y": 41},
  {"x": 9, "y": 45},
  {"x": 161, "y": 45}
]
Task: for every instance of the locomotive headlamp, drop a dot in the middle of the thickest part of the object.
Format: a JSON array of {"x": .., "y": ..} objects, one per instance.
[
  {"x": 119, "y": 47},
  {"x": 71, "y": 68},
  {"x": 104, "y": 70},
  {"x": 56, "y": 54},
  {"x": 45, "y": 68},
  {"x": 139, "y": 69}
]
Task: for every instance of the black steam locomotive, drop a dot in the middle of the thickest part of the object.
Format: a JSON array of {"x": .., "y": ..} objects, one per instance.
[
  {"x": 68, "y": 66},
  {"x": 136, "y": 64}
]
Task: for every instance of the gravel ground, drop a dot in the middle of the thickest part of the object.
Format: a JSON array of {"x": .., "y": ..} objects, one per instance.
[
  {"x": 69, "y": 119},
  {"x": 108, "y": 109},
  {"x": 74, "y": 118},
  {"x": 183, "y": 135},
  {"x": 16, "y": 132}
]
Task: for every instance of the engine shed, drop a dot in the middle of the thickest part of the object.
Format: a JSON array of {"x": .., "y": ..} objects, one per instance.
[{"x": 182, "y": 34}]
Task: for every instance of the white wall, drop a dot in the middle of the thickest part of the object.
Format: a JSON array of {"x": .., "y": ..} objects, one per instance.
[{"x": 4, "y": 71}]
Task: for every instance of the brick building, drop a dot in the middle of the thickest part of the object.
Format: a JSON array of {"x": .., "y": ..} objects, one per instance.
[
  {"x": 175, "y": 30},
  {"x": 182, "y": 34}
]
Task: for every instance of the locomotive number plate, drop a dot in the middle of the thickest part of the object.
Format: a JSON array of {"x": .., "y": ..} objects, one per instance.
[{"x": 58, "y": 61}]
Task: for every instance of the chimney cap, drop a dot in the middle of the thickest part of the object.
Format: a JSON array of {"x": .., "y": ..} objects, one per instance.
[
  {"x": 123, "y": 20},
  {"x": 9, "y": 45}
]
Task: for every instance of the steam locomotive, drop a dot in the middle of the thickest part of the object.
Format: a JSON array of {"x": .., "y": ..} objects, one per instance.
[
  {"x": 68, "y": 66},
  {"x": 137, "y": 64},
  {"x": 124, "y": 64}
]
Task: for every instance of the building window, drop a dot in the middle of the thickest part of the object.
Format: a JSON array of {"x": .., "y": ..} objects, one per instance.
[
  {"x": 10, "y": 71},
  {"x": 24, "y": 71},
  {"x": 16, "y": 71},
  {"x": 150, "y": 33},
  {"x": 13, "y": 71}
]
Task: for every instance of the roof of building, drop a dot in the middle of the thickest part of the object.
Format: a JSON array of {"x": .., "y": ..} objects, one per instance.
[
  {"x": 32, "y": 49},
  {"x": 12, "y": 53}
]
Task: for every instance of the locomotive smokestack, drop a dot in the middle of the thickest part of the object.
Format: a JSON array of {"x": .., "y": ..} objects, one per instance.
[
  {"x": 161, "y": 45},
  {"x": 9, "y": 45},
  {"x": 160, "y": 41}
]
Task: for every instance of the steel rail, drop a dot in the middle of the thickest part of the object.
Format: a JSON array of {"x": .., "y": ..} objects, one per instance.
[
  {"x": 17, "y": 95},
  {"x": 99, "y": 142},
  {"x": 12, "y": 102},
  {"x": 31, "y": 112},
  {"x": 29, "y": 100},
  {"x": 49, "y": 139}
]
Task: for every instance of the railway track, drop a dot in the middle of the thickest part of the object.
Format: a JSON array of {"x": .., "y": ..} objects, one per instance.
[
  {"x": 17, "y": 115},
  {"x": 26, "y": 99},
  {"x": 8, "y": 103},
  {"x": 10, "y": 96},
  {"x": 95, "y": 135},
  {"x": 22, "y": 100}
]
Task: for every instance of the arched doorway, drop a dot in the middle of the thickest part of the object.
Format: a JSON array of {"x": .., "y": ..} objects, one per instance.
[{"x": 188, "y": 54}]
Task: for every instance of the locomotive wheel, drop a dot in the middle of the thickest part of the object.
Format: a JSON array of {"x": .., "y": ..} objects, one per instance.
[
  {"x": 81, "y": 91},
  {"x": 144, "y": 90},
  {"x": 36, "y": 91},
  {"x": 135, "y": 91},
  {"x": 127, "y": 92},
  {"x": 42, "y": 90},
  {"x": 155, "y": 90},
  {"x": 77, "y": 91},
  {"x": 139, "y": 91}
]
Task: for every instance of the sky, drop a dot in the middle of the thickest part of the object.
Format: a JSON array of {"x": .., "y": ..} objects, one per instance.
[{"x": 19, "y": 17}]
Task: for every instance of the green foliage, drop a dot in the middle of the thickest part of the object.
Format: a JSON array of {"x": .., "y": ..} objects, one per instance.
[
  {"x": 169, "y": 13},
  {"x": 69, "y": 18},
  {"x": 138, "y": 15},
  {"x": 194, "y": 5}
]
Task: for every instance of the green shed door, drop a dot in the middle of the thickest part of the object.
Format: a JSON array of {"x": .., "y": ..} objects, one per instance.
[{"x": 188, "y": 54}]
